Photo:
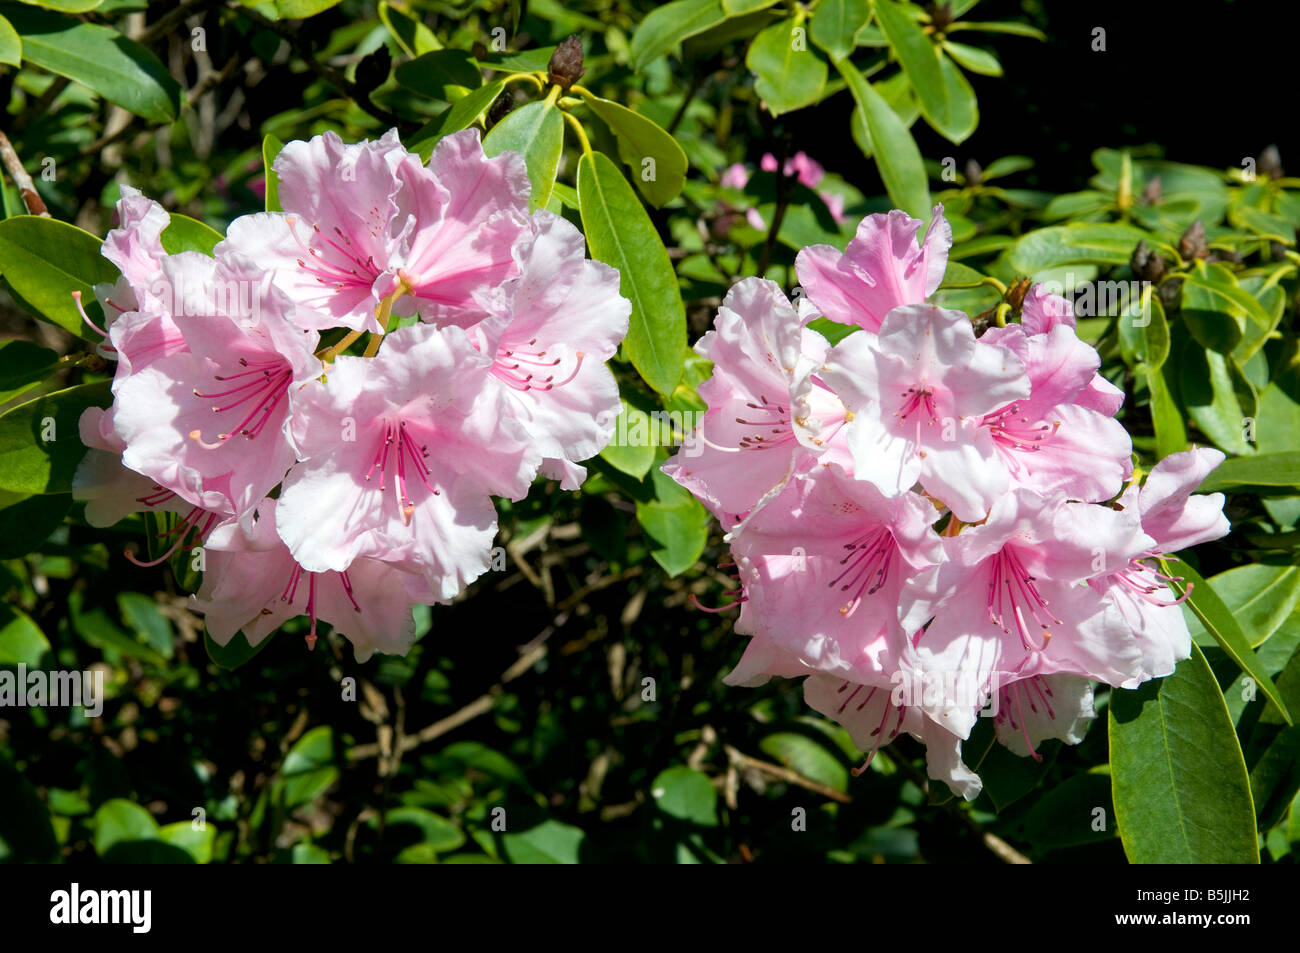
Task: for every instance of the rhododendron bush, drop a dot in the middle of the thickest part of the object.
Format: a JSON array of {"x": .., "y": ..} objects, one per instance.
[{"x": 652, "y": 432}]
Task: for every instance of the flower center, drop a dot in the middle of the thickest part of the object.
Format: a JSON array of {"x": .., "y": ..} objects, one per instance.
[
  {"x": 347, "y": 269},
  {"x": 1013, "y": 432},
  {"x": 264, "y": 383},
  {"x": 1034, "y": 691},
  {"x": 773, "y": 423},
  {"x": 290, "y": 594},
  {"x": 866, "y": 567},
  {"x": 1012, "y": 595},
  {"x": 398, "y": 444},
  {"x": 522, "y": 368}
]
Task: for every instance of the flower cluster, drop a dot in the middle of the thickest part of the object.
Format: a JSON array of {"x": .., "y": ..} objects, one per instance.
[
  {"x": 350, "y": 487},
  {"x": 930, "y": 523}
]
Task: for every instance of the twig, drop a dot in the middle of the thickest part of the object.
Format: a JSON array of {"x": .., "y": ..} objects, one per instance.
[
  {"x": 14, "y": 166},
  {"x": 742, "y": 760}
]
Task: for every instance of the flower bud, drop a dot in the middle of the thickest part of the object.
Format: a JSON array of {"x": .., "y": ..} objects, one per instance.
[{"x": 565, "y": 67}]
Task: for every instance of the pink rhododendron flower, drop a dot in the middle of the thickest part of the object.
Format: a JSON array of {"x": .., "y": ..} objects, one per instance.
[
  {"x": 351, "y": 488},
  {"x": 399, "y": 456},
  {"x": 881, "y": 269},
  {"x": 253, "y": 585},
  {"x": 769, "y": 412},
  {"x": 939, "y": 536},
  {"x": 1174, "y": 519},
  {"x": 919, "y": 390},
  {"x": 359, "y": 220},
  {"x": 552, "y": 330}
]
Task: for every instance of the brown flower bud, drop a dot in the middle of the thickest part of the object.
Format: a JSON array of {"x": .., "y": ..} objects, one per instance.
[
  {"x": 565, "y": 67},
  {"x": 974, "y": 174},
  {"x": 501, "y": 107},
  {"x": 1015, "y": 295},
  {"x": 1146, "y": 264},
  {"x": 1270, "y": 163},
  {"x": 1154, "y": 189},
  {"x": 1193, "y": 243}
]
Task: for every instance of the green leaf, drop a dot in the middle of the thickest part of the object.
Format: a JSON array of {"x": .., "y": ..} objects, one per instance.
[
  {"x": 197, "y": 843},
  {"x": 1166, "y": 417},
  {"x": 738, "y": 8},
  {"x": 958, "y": 275},
  {"x": 271, "y": 147},
  {"x": 550, "y": 842},
  {"x": 639, "y": 139},
  {"x": 805, "y": 756},
  {"x": 669, "y": 24},
  {"x": 308, "y": 769},
  {"x": 141, "y": 613},
  {"x": 686, "y": 794},
  {"x": 1260, "y": 469},
  {"x": 973, "y": 58},
  {"x": 636, "y": 456},
  {"x": 40, "y": 442},
  {"x": 1275, "y": 778},
  {"x": 442, "y": 74},
  {"x": 21, "y": 640},
  {"x": 1220, "y": 623},
  {"x": 1259, "y": 596},
  {"x": 99, "y": 58},
  {"x": 435, "y": 835},
  {"x": 620, "y": 233},
  {"x": 1064, "y": 815},
  {"x": 66, "y": 6},
  {"x": 836, "y": 23},
  {"x": 999, "y": 26},
  {"x": 25, "y": 525},
  {"x": 234, "y": 653},
  {"x": 462, "y": 114},
  {"x": 45, "y": 261},
  {"x": 11, "y": 44},
  {"x": 189, "y": 234},
  {"x": 536, "y": 132},
  {"x": 790, "y": 76},
  {"x": 963, "y": 110},
  {"x": 896, "y": 153},
  {"x": 676, "y": 521},
  {"x": 301, "y": 9},
  {"x": 411, "y": 34},
  {"x": 1178, "y": 777},
  {"x": 921, "y": 63},
  {"x": 118, "y": 821},
  {"x": 23, "y": 365},
  {"x": 1084, "y": 243}
]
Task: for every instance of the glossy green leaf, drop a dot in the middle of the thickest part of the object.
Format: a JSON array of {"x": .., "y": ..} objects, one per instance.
[
  {"x": 25, "y": 826},
  {"x": 1219, "y": 621},
  {"x": 790, "y": 75},
  {"x": 197, "y": 842},
  {"x": 25, "y": 525},
  {"x": 620, "y": 233},
  {"x": 11, "y": 44},
  {"x": 669, "y": 24},
  {"x": 308, "y": 769},
  {"x": 23, "y": 365},
  {"x": 39, "y": 440},
  {"x": 676, "y": 522},
  {"x": 411, "y": 34},
  {"x": 1259, "y": 596},
  {"x": 630, "y": 450},
  {"x": 897, "y": 156},
  {"x": 1179, "y": 781},
  {"x": 21, "y": 640},
  {"x": 963, "y": 111},
  {"x": 118, "y": 821},
  {"x": 271, "y": 147},
  {"x": 550, "y": 842},
  {"x": 1100, "y": 243},
  {"x": 1065, "y": 814},
  {"x": 45, "y": 261},
  {"x": 99, "y": 58},
  {"x": 836, "y": 23},
  {"x": 1208, "y": 385},
  {"x": 686, "y": 794},
  {"x": 535, "y": 131},
  {"x": 302, "y": 9},
  {"x": 641, "y": 139},
  {"x": 1275, "y": 778},
  {"x": 973, "y": 58},
  {"x": 462, "y": 114},
  {"x": 920, "y": 61},
  {"x": 234, "y": 653},
  {"x": 1261, "y": 469},
  {"x": 807, "y": 757},
  {"x": 187, "y": 234},
  {"x": 441, "y": 74}
]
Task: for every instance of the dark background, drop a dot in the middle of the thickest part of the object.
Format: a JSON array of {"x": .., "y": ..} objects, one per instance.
[{"x": 1210, "y": 83}]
